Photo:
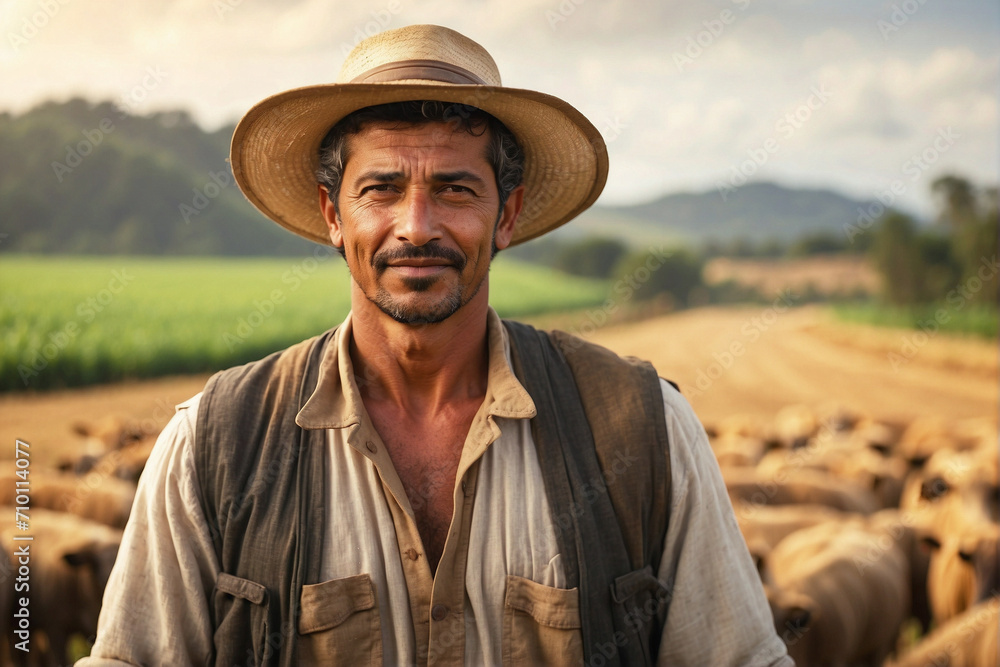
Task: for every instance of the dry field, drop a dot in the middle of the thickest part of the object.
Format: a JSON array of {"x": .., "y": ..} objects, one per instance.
[
  {"x": 728, "y": 361},
  {"x": 831, "y": 276}
]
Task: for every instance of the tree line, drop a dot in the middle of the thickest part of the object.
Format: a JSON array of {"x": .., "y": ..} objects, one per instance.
[{"x": 953, "y": 259}]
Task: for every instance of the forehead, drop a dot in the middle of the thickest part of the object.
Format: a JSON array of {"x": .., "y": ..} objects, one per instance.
[{"x": 444, "y": 142}]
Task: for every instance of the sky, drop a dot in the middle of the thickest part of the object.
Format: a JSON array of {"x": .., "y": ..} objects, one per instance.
[{"x": 874, "y": 99}]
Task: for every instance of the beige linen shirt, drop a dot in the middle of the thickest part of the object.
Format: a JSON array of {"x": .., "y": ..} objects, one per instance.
[{"x": 501, "y": 547}]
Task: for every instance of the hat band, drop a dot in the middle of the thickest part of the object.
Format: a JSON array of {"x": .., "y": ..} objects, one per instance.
[{"x": 432, "y": 70}]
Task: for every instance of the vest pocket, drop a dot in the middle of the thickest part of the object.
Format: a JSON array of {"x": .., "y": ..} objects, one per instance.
[
  {"x": 241, "y": 612},
  {"x": 541, "y": 624},
  {"x": 339, "y": 623}
]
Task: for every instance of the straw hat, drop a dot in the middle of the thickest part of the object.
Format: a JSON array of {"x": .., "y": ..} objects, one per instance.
[{"x": 275, "y": 149}]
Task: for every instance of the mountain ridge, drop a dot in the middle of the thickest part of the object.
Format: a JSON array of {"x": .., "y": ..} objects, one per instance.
[{"x": 79, "y": 177}]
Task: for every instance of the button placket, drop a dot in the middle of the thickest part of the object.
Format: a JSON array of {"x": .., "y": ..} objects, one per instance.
[{"x": 447, "y": 625}]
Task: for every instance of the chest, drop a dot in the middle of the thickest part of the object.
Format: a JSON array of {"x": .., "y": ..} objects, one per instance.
[{"x": 426, "y": 458}]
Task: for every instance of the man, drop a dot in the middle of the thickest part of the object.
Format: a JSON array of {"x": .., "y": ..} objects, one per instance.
[{"x": 426, "y": 484}]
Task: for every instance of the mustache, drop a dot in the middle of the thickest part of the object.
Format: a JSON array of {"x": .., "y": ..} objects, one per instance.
[{"x": 381, "y": 260}]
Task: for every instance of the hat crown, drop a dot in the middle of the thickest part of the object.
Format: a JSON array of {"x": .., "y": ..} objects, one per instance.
[{"x": 424, "y": 44}]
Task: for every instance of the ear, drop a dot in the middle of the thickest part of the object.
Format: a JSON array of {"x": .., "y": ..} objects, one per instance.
[
  {"x": 508, "y": 217},
  {"x": 329, "y": 212}
]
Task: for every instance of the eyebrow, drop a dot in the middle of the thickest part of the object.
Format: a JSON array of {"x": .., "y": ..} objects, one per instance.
[
  {"x": 456, "y": 176},
  {"x": 380, "y": 176},
  {"x": 441, "y": 176}
]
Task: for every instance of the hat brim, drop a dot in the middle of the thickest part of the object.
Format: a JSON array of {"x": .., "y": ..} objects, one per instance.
[{"x": 275, "y": 149}]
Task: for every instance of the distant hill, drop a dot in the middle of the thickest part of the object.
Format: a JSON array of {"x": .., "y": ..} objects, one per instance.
[
  {"x": 78, "y": 177},
  {"x": 756, "y": 212}
]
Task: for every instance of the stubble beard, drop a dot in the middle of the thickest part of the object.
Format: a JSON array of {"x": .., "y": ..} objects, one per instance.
[
  {"x": 428, "y": 313},
  {"x": 425, "y": 314}
]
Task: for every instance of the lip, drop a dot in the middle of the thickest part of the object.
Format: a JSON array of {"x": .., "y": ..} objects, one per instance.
[{"x": 420, "y": 269}]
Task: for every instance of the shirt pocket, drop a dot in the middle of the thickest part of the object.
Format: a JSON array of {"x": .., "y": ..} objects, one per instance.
[
  {"x": 541, "y": 624},
  {"x": 339, "y": 623},
  {"x": 241, "y": 607}
]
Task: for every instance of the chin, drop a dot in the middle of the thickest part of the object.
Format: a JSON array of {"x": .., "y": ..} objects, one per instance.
[{"x": 409, "y": 313}]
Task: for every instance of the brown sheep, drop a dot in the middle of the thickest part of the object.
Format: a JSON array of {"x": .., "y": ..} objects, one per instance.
[
  {"x": 797, "y": 487},
  {"x": 968, "y": 640},
  {"x": 109, "y": 432},
  {"x": 963, "y": 566},
  {"x": 70, "y": 560},
  {"x": 851, "y": 582},
  {"x": 957, "y": 483},
  {"x": 764, "y": 526},
  {"x": 126, "y": 463},
  {"x": 846, "y": 457},
  {"x": 101, "y": 498},
  {"x": 738, "y": 450}
]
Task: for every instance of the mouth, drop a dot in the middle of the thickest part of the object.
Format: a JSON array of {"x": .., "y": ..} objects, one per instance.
[
  {"x": 429, "y": 261},
  {"x": 414, "y": 268}
]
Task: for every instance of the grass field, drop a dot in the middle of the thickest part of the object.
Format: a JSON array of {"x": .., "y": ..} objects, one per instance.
[
  {"x": 956, "y": 317},
  {"x": 72, "y": 321}
]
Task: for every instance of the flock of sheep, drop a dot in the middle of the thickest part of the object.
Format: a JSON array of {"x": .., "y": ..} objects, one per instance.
[{"x": 876, "y": 543}]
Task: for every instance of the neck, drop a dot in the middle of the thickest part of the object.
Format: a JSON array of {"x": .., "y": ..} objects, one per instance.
[{"x": 420, "y": 368}]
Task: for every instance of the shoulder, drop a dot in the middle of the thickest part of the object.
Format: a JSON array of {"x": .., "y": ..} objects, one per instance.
[
  {"x": 582, "y": 355},
  {"x": 594, "y": 366},
  {"x": 269, "y": 381},
  {"x": 283, "y": 362}
]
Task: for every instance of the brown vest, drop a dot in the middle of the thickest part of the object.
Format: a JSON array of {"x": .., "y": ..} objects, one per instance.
[{"x": 601, "y": 439}]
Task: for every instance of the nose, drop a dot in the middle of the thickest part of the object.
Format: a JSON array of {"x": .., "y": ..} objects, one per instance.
[{"x": 416, "y": 222}]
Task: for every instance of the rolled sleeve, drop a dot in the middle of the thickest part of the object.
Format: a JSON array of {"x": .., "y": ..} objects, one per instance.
[
  {"x": 155, "y": 609},
  {"x": 718, "y": 614}
]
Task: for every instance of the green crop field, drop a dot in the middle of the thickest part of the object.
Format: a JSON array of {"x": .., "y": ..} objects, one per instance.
[
  {"x": 954, "y": 317},
  {"x": 72, "y": 321}
]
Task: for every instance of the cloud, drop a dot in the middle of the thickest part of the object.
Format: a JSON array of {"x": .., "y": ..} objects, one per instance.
[{"x": 669, "y": 126}]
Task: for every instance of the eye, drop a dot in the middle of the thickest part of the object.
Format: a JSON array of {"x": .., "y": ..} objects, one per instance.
[
  {"x": 456, "y": 188},
  {"x": 378, "y": 188},
  {"x": 933, "y": 489}
]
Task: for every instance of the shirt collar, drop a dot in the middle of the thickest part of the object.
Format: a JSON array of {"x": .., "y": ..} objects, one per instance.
[{"x": 336, "y": 401}]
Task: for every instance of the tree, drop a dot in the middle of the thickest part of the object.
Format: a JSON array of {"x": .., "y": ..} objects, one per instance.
[
  {"x": 593, "y": 257},
  {"x": 971, "y": 217},
  {"x": 894, "y": 251},
  {"x": 677, "y": 273}
]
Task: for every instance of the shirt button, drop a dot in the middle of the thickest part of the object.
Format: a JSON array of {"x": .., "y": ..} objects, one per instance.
[
  {"x": 439, "y": 612},
  {"x": 412, "y": 554},
  {"x": 371, "y": 446}
]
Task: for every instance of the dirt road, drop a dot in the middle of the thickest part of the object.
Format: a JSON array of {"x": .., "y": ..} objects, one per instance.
[
  {"x": 757, "y": 360},
  {"x": 727, "y": 361}
]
